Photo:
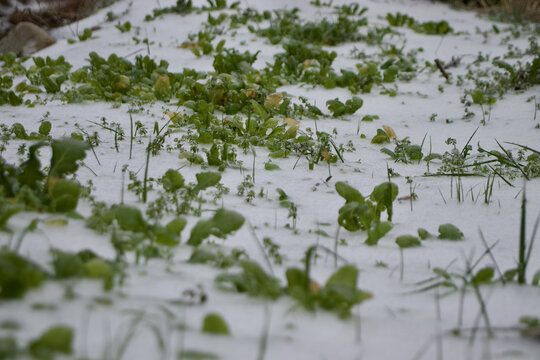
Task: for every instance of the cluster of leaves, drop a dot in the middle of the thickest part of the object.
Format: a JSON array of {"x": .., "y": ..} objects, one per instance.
[
  {"x": 360, "y": 213},
  {"x": 339, "y": 294},
  {"x": 428, "y": 28},
  {"x": 53, "y": 342},
  {"x": 17, "y": 131},
  {"x": 287, "y": 24},
  {"x": 84, "y": 263},
  {"x": 27, "y": 184},
  {"x": 18, "y": 275},
  {"x": 303, "y": 63},
  {"x": 131, "y": 232},
  {"x": 405, "y": 151},
  {"x": 184, "y": 7}
]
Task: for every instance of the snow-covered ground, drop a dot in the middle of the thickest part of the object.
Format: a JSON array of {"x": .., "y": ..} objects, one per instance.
[{"x": 160, "y": 300}]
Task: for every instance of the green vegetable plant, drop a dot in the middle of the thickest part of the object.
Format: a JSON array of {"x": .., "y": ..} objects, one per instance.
[
  {"x": 220, "y": 225},
  {"x": 339, "y": 294},
  {"x": 360, "y": 213},
  {"x": 28, "y": 185},
  {"x": 18, "y": 275}
]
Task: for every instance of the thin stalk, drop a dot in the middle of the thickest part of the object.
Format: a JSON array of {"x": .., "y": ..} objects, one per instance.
[
  {"x": 132, "y": 135},
  {"x": 522, "y": 265},
  {"x": 145, "y": 182}
]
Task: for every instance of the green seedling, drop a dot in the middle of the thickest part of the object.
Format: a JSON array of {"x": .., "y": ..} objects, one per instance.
[
  {"x": 53, "y": 342},
  {"x": 253, "y": 281},
  {"x": 18, "y": 275},
  {"x": 220, "y": 225},
  {"x": 214, "y": 324},
  {"x": 450, "y": 232}
]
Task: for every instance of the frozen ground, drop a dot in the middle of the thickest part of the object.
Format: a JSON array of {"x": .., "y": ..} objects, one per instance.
[{"x": 399, "y": 322}]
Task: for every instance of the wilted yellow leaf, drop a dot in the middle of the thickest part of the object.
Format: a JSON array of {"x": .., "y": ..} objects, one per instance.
[
  {"x": 325, "y": 155},
  {"x": 251, "y": 93},
  {"x": 314, "y": 287},
  {"x": 291, "y": 122},
  {"x": 274, "y": 98},
  {"x": 389, "y": 131}
]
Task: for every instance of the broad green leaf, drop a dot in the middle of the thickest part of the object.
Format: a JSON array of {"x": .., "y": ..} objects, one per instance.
[
  {"x": 98, "y": 269},
  {"x": 381, "y": 137},
  {"x": 172, "y": 180},
  {"x": 45, "y": 128},
  {"x": 57, "y": 339},
  {"x": 66, "y": 153},
  {"x": 424, "y": 234},
  {"x": 31, "y": 169},
  {"x": 207, "y": 179},
  {"x": 354, "y": 216},
  {"x": 67, "y": 265},
  {"x": 65, "y": 195},
  {"x": 214, "y": 324},
  {"x": 450, "y": 232},
  {"x": 227, "y": 221},
  {"x": 129, "y": 218},
  {"x": 271, "y": 166},
  {"x": 384, "y": 194},
  {"x": 377, "y": 231},
  {"x": 345, "y": 276},
  {"x": 176, "y": 225},
  {"x": 483, "y": 276},
  {"x": 349, "y": 193},
  {"x": 407, "y": 241},
  {"x": 200, "y": 231},
  {"x": 18, "y": 275},
  {"x": 253, "y": 281}
]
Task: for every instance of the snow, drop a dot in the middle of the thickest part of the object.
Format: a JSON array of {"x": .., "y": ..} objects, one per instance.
[{"x": 399, "y": 322}]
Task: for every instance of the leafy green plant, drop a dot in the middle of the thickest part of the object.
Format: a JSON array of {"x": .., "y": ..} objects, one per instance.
[
  {"x": 54, "y": 341},
  {"x": 360, "y": 213},
  {"x": 337, "y": 108},
  {"x": 428, "y": 28},
  {"x": 450, "y": 232},
  {"x": 18, "y": 275},
  {"x": 214, "y": 324},
  {"x": 253, "y": 281},
  {"x": 339, "y": 294},
  {"x": 220, "y": 225}
]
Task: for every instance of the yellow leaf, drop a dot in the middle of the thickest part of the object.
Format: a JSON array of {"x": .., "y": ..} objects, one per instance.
[
  {"x": 291, "y": 122},
  {"x": 389, "y": 131},
  {"x": 325, "y": 155},
  {"x": 314, "y": 287},
  {"x": 57, "y": 222},
  {"x": 274, "y": 98},
  {"x": 251, "y": 93}
]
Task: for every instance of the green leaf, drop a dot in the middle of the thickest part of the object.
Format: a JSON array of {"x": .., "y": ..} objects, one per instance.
[
  {"x": 483, "y": 276},
  {"x": 377, "y": 231},
  {"x": 57, "y": 339},
  {"x": 384, "y": 194},
  {"x": 349, "y": 193},
  {"x": 227, "y": 221},
  {"x": 207, "y": 179},
  {"x": 172, "y": 180},
  {"x": 66, "y": 153},
  {"x": 424, "y": 234},
  {"x": 65, "y": 195},
  {"x": 129, "y": 218},
  {"x": 253, "y": 281},
  {"x": 345, "y": 276},
  {"x": 97, "y": 268},
  {"x": 450, "y": 232},
  {"x": 536, "y": 279},
  {"x": 354, "y": 216},
  {"x": 31, "y": 174},
  {"x": 67, "y": 265},
  {"x": 271, "y": 166},
  {"x": 214, "y": 324},
  {"x": 18, "y": 275},
  {"x": 45, "y": 128},
  {"x": 381, "y": 137},
  {"x": 176, "y": 226},
  {"x": 407, "y": 241},
  {"x": 222, "y": 223}
]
